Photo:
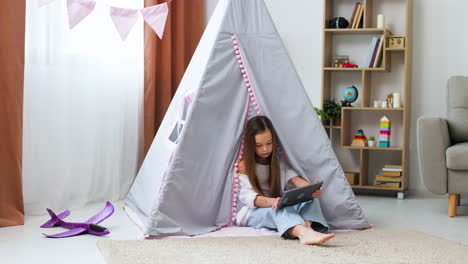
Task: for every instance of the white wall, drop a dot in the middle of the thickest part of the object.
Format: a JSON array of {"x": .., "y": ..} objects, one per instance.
[{"x": 439, "y": 51}]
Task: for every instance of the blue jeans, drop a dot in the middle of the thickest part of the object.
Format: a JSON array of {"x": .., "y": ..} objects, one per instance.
[{"x": 283, "y": 219}]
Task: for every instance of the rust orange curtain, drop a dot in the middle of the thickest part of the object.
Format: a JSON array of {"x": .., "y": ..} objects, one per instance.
[
  {"x": 167, "y": 59},
  {"x": 12, "y": 26}
]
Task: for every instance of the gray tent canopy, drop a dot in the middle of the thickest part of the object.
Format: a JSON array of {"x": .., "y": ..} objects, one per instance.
[{"x": 187, "y": 184}]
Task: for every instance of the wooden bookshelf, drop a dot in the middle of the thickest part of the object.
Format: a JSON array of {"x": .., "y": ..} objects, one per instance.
[{"x": 393, "y": 75}]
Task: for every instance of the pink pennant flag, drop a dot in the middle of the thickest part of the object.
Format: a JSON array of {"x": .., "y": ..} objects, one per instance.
[
  {"x": 124, "y": 19},
  {"x": 156, "y": 17},
  {"x": 79, "y": 10},
  {"x": 42, "y": 3}
]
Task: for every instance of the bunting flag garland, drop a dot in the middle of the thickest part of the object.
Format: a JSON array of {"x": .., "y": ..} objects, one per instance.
[
  {"x": 42, "y": 3},
  {"x": 124, "y": 19},
  {"x": 79, "y": 10},
  {"x": 156, "y": 17}
]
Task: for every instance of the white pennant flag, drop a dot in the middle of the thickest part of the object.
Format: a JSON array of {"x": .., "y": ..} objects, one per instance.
[
  {"x": 124, "y": 19},
  {"x": 156, "y": 17},
  {"x": 42, "y": 3},
  {"x": 79, "y": 10}
]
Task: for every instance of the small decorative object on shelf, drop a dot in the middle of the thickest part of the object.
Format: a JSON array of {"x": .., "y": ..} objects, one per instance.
[
  {"x": 338, "y": 22},
  {"x": 384, "y": 135},
  {"x": 380, "y": 21},
  {"x": 338, "y": 61},
  {"x": 359, "y": 139},
  {"x": 371, "y": 141},
  {"x": 395, "y": 42},
  {"x": 396, "y": 100},
  {"x": 389, "y": 100},
  {"x": 322, "y": 114},
  {"x": 350, "y": 95},
  {"x": 333, "y": 110},
  {"x": 377, "y": 103}
]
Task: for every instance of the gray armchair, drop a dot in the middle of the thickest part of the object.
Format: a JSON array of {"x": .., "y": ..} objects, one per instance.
[{"x": 443, "y": 146}]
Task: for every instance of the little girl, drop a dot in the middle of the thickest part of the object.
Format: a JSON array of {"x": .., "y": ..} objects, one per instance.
[{"x": 263, "y": 177}]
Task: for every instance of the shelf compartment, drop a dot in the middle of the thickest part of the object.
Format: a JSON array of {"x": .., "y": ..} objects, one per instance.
[{"x": 368, "y": 119}]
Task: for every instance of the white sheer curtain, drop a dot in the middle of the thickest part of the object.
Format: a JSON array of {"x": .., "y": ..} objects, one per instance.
[{"x": 83, "y": 96}]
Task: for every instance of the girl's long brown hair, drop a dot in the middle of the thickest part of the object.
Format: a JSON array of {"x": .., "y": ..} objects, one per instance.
[{"x": 255, "y": 126}]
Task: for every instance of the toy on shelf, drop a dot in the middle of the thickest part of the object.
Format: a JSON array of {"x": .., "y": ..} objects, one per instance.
[
  {"x": 359, "y": 139},
  {"x": 350, "y": 95},
  {"x": 385, "y": 132},
  {"x": 348, "y": 65},
  {"x": 339, "y": 60}
]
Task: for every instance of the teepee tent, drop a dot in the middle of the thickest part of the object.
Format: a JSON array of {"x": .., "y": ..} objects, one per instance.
[{"x": 188, "y": 183}]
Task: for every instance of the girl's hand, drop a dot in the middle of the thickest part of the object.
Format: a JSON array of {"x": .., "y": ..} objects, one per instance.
[
  {"x": 241, "y": 167},
  {"x": 317, "y": 193},
  {"x": 276, "y": 203}
]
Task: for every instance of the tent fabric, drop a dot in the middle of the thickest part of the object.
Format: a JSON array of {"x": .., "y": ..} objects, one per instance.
[{"x": 186, "y": 186}]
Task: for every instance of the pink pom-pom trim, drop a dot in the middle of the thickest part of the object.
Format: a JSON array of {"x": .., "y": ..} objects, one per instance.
[{"x": 253, "y": 103}]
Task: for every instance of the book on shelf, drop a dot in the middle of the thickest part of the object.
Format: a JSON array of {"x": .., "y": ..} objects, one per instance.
[
  {"x": 391, "y": 173},
  {"x": 358, "y": 16},
  {"x": 393, "y": 167},
  {"x": 379, "y": 55},
  {"x": 387, "y": 179},
  {"x": 371, "y": 51},
  {"x": 374, "y": 54},
  {"x": 351, "y": 20},
  {"x": 388, "y": 184}
]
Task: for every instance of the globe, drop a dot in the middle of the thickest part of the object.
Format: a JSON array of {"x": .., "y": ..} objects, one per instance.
[{"x": 350, "y": 95}]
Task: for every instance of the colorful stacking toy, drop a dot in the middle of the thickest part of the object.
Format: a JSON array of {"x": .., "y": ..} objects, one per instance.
[
  {"x": 359, "y": 139},
  {"x": 384, "y": 135}
]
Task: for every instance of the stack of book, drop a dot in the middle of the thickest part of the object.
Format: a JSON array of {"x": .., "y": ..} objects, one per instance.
[
  {"x": 356, "y": 20},
  {"x": 390, "y": 177}
]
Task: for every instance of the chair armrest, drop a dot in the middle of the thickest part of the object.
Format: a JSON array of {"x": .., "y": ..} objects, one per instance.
[{"x": 432, "y": 142}]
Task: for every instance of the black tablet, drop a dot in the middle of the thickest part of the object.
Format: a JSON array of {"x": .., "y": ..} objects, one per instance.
[{"x": 299, "y": 195}]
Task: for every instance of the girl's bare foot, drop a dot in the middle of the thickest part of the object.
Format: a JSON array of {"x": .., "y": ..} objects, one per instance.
[
  {"x": 308, "y": 236},
  {"x": 311, "y": 237}
]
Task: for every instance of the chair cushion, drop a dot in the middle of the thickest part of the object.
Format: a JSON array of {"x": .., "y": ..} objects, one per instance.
[
  {"x": 457, "y": 96},
  {"x": 457, "y": 156}
]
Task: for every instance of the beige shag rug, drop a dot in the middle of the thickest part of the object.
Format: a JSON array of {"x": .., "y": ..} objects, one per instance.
[{"x": 370, "y": 246}]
